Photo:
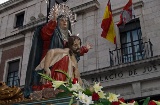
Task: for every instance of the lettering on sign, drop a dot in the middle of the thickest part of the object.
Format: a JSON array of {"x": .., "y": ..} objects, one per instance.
[{"x": 126, "y": 73}]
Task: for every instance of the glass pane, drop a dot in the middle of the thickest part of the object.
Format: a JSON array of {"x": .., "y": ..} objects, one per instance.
[
  {"x": 135, "y": 35},
  {"x": 20, "y": 19},
  {"x": 128, "y": 36},
  {"x": 10, "y": 79},
  {"x": 9, "y": 82},
  {"x": 137, "y": 44},
  {"x": 127, "y": 48},
  {"x": 131, "y": 46},
  {"x": 15, "y": 78},
  {"x": 16, "y": 83},
  {"x": 10, "y": 75},
  {"x": 16, "y": 74}
]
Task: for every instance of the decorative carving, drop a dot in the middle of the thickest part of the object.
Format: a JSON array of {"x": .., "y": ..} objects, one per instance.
[
  {"x": 63, "y": 9},
  {"x": 32, "y": 18},
  {"x": 10, "y": 94},
  {"x": 40, "y": 15}
]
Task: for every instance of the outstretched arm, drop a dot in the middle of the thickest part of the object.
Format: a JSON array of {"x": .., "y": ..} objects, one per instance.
[
  {"x": 85, "y": 49},
  {"x": 48, "y": 29}
]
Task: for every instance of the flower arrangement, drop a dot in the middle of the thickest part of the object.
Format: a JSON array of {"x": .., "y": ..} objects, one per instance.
[{"x": 92, "y": 95}]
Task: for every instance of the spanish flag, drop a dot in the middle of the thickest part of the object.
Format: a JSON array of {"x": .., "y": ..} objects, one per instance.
[{"x": 108, "y": 25}]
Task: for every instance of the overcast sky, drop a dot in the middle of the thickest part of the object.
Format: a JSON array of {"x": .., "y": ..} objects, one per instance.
[{"x": 2, "y": 1}]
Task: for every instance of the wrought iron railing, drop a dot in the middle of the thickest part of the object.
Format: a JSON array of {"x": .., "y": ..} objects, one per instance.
[{"x": 133, "y": 53}]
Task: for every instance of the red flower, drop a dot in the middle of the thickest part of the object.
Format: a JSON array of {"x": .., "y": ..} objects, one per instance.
[
  {"x": 75, "y": 80},
  {"x": 115, "y": 103},
  {"x": 121, "y": 99},
  {"x": 131, "y": 101},
  {"x": 95, "y": 96},
  {"x": 152, "y": 103}
]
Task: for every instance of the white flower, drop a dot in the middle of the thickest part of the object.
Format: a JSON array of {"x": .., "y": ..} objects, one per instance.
[
  {"x": 122, "y": 103},
  {"x": 75, "y": 94},
  {"x": 56, "y": 84},
  {"x": 76, "y": 87},
  {"x": 81, "y": 96},
  {"x": 97, "y": 87},
  {"x": 85, "y": 99},
  {"x": 88, "y": 100},
  {"x": 101, "y": 94},
  {"x": 112, "y": 97}
]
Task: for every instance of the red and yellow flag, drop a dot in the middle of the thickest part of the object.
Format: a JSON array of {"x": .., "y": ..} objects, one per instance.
[{"x": 108, "y": 25}]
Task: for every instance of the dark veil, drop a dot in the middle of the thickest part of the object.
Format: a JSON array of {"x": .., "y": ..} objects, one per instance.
[{"x": 34, "y": 59}]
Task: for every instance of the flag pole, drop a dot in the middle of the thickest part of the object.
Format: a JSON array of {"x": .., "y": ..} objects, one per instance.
[{"x": 117, "y": 53}]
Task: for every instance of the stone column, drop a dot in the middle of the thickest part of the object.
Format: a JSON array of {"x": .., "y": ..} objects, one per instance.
[
  {"x": 0, "y": 54},
  {"x": 137, "y": 89},
  {"x": 26, "y": 52}
]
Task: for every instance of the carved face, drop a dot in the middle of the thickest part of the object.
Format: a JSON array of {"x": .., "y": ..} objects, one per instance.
[
  {"x": 76, "y": 46},
  {"x": 63, "y": 22}
]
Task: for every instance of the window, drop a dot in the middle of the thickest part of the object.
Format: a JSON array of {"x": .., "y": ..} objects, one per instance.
[
  {"x": 131, "y": 42},
  {"x": 60, "y": 1},
  {"x": 19, "y": 20},
  {"x": 12, "y": 77}
]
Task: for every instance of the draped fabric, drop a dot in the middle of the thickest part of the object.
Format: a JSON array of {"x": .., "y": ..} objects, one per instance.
[
  {"x": 34, "y": 60},
  {"x": 127, "y": 14},
  {"x": 108, "y": 25}
]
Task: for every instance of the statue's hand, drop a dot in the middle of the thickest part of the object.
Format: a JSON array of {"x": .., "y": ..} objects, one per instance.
[
  {"x": 88, "y": 46},
  {"x": 55, "y": 12},
  {"x": 48, "y": 72}
]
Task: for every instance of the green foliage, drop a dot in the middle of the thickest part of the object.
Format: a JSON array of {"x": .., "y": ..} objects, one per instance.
[
  {"x": 71, "y": 101},
  {"x": 46, "y": 77},
  {"x": 64, "y": 88},
  {"x": 101, "y": 104},
  {"x": 105, "y": 102},
  {"x": 136, "y": 103},
  {"x": 62, "y": 94},
  {"x": 146, "y": 101},
  {"x": 88, "y": 92},
  {"x": 66, "y": 92},
  {"x": 63, "y": 73}
]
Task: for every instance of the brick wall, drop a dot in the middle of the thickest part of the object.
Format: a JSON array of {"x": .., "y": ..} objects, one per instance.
[{"x": 9, "y": 54}]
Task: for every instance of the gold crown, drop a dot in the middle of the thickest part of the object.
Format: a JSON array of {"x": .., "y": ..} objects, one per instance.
[{"x": 63, "y": 9}]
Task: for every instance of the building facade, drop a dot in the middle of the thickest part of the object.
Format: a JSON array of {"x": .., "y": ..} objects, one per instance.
[{"x": 131, "y": 68}]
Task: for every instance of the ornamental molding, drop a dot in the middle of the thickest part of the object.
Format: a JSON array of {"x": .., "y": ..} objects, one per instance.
[
  {"x": 136, "y": 5},
  {"x": 10, "y": 4},
  {"x": 12, "y": 39},
  {"x": 121, "y": 66},
  {"x": 85, "y": 7},
  {"x": 32, "y": 25}
]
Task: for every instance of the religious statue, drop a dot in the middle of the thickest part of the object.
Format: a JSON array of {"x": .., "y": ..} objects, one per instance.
[
  {"x": 54, "y": 34},
  {"x": 62, "y": 59}
]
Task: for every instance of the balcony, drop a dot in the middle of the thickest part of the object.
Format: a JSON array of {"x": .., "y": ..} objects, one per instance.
[{"x": 131, "y": 53}]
